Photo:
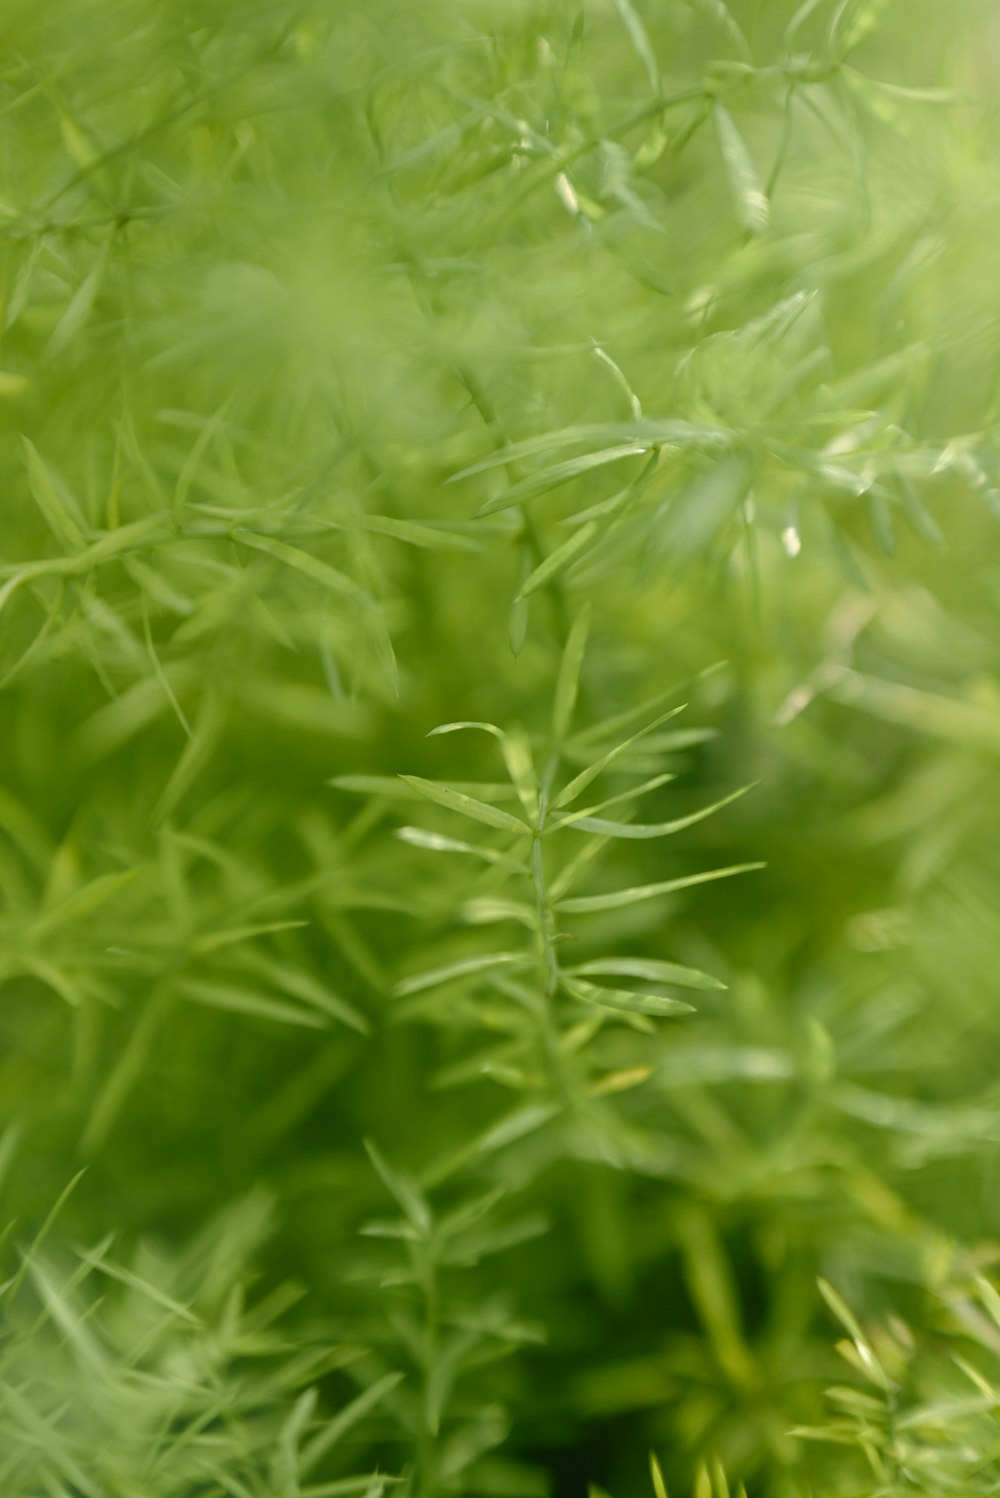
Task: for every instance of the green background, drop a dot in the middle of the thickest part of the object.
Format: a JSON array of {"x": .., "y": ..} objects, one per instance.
[{"x": 272, "y": 279}]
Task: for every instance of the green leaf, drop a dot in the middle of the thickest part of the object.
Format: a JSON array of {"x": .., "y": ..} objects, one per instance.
[
  {"x": 752, "y": 207},
  {"x": 436, "y": 842},
  {"x": 564, "y": 556},
  {"x": 57, "y": 507},
  {"x": 301, "y": 985},
  {"x": 919, "y": 517},
  {"x": 649, "y": 968},
  {"x": 805, "y": 10},
  {"x": 641, "y": 434},
  {"x": 419, "y": 533},
  {"x": 404, "y": 1189},
  {"x": 568, "y": 680},
  {"x": 304, "y": 562},
  {"x": 880, "y": 520},
  {"x": 723, "y": 17},
  {"x": 142, "y": 1287},
  {"x": 235, "y": 999},
  {"x": 348, "y": 1417},
  {"x": 517, "y": 758},
  {"x": 637, "y": 35},
  {"x": 560, "y": 473},
  {"x": 640, "y": 830},
  {"x": 464, "y": 968},
  {"x": 80, "y": 305},
  {"x": 617, "y": 899},
  {"x": 631, "y": 793},
  {"x": 467, "y": 806},
  {"x": 658, "y": 1005},
  {"x": 580, "y": 782},
  {"x": 867, "y": 1360}
]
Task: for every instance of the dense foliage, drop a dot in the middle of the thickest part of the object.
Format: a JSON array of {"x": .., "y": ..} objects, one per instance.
[{"x": 500, "y": 705}]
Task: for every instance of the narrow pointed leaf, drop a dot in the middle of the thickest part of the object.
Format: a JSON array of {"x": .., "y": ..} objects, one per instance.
[
  {"x": 558, "y": 474},
  {"x": 626, "y": 1000},
  {"x": 616, "y": 899},
  {"x": 465, "y": 968},
  {"x": 649, "y": 969},
  {"x": 55, "y": 505},
  {"x": 642, "y": 831},
  {"x": 568, "y": 681},
  {"x": 580, "y": 782},
  {"x": 752, "y": 207},
  {"x": 467, "y": 806}
]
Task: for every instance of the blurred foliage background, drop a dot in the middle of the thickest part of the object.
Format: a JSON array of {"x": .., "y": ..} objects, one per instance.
[{"x": 623, "y": 377}]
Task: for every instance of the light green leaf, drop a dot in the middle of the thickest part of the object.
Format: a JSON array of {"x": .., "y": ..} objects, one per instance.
[
  {"x": 403, "y": 1189},
  {"x": 615, "y": 900},
  {"x": 417, "y": 533},
  {"x": 304, "y": 562},
  {"x": 568, "y": 680},
  {"x": 301, "y": 985},
  {"x": 642, "y": 831},
  {"x": 517, "y": 758},
  {"x": 650, "y": 969},
  {"x": 630, "y": 794},
  {"x": 752, "y": 207},
  {"x": 79, "y": 306},
  {"x": 345, "y": 1419},
  {"x": 53, "y": 499},
  {"x": 639, "y": 38},
  {"x": 141, "y": 1286},
  {"x": 467, "y": 806},
  {"x": 235, "y": 999},
  {"x": 629, "y": 1002},
  {"x": 580, "y": 782},
  {"x": 464, "y": 968},
  {"x": 642, "y": 435},
  {"x": 719, "y": 11},
  {"x": 436, "y": 842},
  {"x": 564, "y": 556},
  {"x": 560, "y": 473}
]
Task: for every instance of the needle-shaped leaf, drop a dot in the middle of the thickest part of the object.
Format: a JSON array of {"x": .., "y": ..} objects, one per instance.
[
  {"x": 579, "y": 783},
  {"x": 639, "y": 38},
  {"x": 643, "y": 830},
  {"x": 343, "y": 1421},
  {"x": 393, "y": 788},
  {"x": 616, "y": 899},
  {"x": 719, "y": 11},
  {"x": 418, "y": 533},
  {"x": 556, "y": 563},
  {"x": 466, "y": 806},
  {"x": 53, "y": 499},
  {"x": 752, "y": 207},
  {"x": 80, "y": 305},
  {"x": 236, "y": 999},
  {"x": 602, "y": 436},
  {"x": 405, "y": 1190},
  {"x": 465, "y": 968},
  {"x": 309, "y": 565},
  {"x": 630, "y": 794},
  {"x": 436, "y": 842},
  {"x": 560, "y": 473},
  {"x": 568, "y": 680},
  {"x": 626, "y": 1000},
  {"x": 517, "y": 759},
  {"x": 650, "y": 969},
  {"x": 867, "y": 1360}
]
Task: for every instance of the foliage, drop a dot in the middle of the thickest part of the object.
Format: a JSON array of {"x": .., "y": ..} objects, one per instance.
[{"x": 498, "y": 781}]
